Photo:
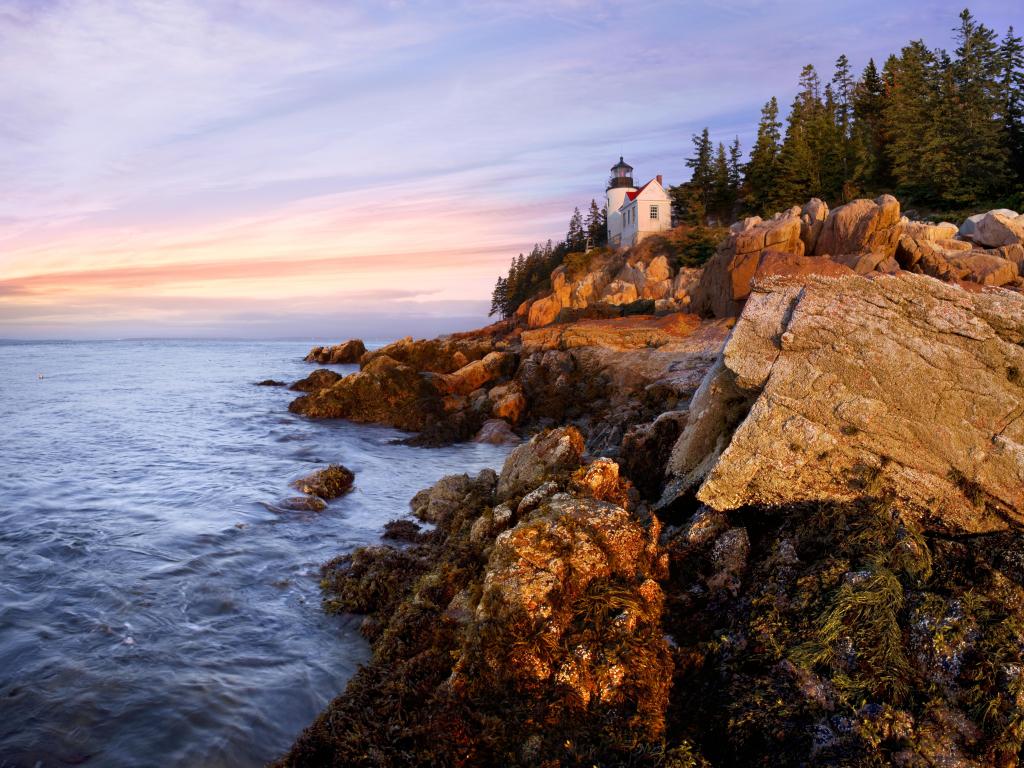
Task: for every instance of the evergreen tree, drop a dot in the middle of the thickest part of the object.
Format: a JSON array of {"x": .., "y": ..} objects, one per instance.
[
  {"x": 761, "y": 172},
  {"x": 702, "y": 178},
  {"x": 596, "y": 225},
  {"x": 843, "y": 87},
  {"x": 979, "y": 141},
  {"x": 575, "y": 238},
  {"x": 1011, "y": 81},
  {"x": 722, "y": 197},
  {"x": 914, "y": 80},
  {"x": 800, "y": 160},
  {"x": 735, "y": 168},
  {"x": 870, "y": 169},
  {"x": 499, "y": 299}
]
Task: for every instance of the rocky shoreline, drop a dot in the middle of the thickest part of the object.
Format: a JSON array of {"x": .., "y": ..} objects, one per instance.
[{"x": 768, "y": 512}]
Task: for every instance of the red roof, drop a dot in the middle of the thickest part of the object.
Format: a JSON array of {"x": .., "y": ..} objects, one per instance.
[{"x": 632, "y": 195}]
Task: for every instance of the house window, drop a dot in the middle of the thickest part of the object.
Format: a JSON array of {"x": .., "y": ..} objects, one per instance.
[{"x": 654, "y": 211}]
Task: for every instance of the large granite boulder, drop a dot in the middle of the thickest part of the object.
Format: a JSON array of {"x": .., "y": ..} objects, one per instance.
[
  {"x": 994, "y": 229},
  {"x": 725, "y": 283},
  {"x": 862, "y": 226},
  {"x": 832, "y": 389},
  {"x": 472, "y": 376}
]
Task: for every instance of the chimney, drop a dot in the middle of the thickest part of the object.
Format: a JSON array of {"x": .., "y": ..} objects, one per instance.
[{"x": 658, "y": 177}]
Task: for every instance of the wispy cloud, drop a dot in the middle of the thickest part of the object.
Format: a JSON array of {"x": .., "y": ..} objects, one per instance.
[{"x": 281, "y": 149}]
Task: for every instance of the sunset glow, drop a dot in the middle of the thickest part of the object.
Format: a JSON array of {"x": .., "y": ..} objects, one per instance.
[{"x": 216, "y": 169}]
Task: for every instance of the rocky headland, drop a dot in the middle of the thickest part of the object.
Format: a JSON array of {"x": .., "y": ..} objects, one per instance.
[{"x": 765, "y": 512}]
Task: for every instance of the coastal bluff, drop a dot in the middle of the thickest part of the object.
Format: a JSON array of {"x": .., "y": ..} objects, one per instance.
[{"x": 765, "y": 511}]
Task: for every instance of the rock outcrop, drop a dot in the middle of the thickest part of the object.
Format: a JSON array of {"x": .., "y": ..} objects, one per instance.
[
  {"x": 834, "y": 389},
  {"x": 385, "y": 391},
  {"x": 725, "y": 282},
  {"x": 861, "y": 226},
  {"x": 994, "y": 229},
  {"x": 328, "y": 483},
  {"x": 345, "y": 353}
]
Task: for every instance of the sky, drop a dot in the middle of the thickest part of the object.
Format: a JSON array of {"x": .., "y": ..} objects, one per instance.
[{"x": 304, "y": 168}]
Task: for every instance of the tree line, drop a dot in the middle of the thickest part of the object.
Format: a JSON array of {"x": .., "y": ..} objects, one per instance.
[
  {"x": 528, "y": 274},
  {"x": 938, "y": 129}
]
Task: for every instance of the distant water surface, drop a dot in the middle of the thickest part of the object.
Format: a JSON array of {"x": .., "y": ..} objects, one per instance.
[{"x": 156, "y": 609}]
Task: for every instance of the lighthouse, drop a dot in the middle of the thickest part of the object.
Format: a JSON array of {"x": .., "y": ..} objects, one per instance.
[{"x": 619, "y": 184}]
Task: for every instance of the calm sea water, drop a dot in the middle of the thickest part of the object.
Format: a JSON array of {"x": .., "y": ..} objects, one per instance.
[{"x": 156, "y": 608}]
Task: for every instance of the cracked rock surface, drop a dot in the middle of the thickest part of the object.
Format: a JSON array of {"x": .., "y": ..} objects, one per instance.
[{"x": 831, "y": 389}]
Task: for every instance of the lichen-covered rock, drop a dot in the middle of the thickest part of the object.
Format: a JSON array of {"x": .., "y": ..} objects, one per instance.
[
  {"x": 834, "y": 389},
  {"x": 383, "y": 392},
  {"x": 862, "y": 226},
  {"x": 551, "y": 453},
  {"x": 328, "y": 483},
  {"x": 319, "y": 379}
]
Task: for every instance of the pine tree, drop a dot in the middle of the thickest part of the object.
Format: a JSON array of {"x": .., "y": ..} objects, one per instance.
[
  {"x": 800, "y": 159},
  {"x": 870, "y": 170},
  {"x": 980, "y": 141},
  {"x": 761, "y": 171},
  {"x": 722, "y": 198},
  {"x": 576, "y": 237},
  {"x": 735, "y": 168},
  {"x": 596, "y": 225},
  {"x": 703, "y": 173},
  {"x": 499, "y": 299},
  {"x": 914, "y": 79},
  {"x": 843, "y": 87},
  {"x": 1011, "y": 81}
]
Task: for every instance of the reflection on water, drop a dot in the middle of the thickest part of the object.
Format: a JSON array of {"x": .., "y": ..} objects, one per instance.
[{"x": 155, "y": 607}]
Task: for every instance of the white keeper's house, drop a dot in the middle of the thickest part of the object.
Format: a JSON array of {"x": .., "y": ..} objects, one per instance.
[{"x": 634, "y": 214}]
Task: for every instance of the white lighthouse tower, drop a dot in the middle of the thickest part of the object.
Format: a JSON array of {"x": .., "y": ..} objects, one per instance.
[{"x": 619, "y": 184}]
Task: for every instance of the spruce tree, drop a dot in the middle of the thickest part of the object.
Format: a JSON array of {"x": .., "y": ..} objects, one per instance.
[
  {"x": 499, "y": 299},
  {"x": 980, "y": 141},
  {"x": 1011, "y": 81},
  {"x": 843, "y": 87},
  {"x": 800, "y": 158},
  {"x": 596, "y": 225},
  {"x": 761, "y": 171},
  {"x": 721, "y": 186},
  {"x": 870, "y": 170},
  {"x": 576, "y": 237},
  {"x": 702, "y": 166}
]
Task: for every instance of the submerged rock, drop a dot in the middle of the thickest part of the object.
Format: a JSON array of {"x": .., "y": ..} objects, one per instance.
[
  {"x": 270, "y": 383},
  {"x": 328, "y": 483}
]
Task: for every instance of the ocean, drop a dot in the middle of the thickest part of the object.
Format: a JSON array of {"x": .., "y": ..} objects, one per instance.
[{"x": 157, "y": 606}]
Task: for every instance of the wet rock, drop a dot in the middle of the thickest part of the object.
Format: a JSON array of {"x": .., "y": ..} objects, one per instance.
[
  {"x": 385, "y": 391},
  {"x": 402, "y": 530},
  {"x": 645, "y": 449},
  {"x": 304, "y": 504},
  {"x": 497, "y": 432},
  {"x": 452, "y": 493},
  {"x": 840, "y": 388},
  {"x": 322, "y": 378},
  {"x": 270, "y": 383},
  {"x": 328, "y": 483},
  {"x": 729, "y": 560},
  {"x": 548, "y": 454}
]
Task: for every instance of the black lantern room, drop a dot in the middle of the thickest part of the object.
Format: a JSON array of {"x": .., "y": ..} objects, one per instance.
[{"x": 622, "y": 175}]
